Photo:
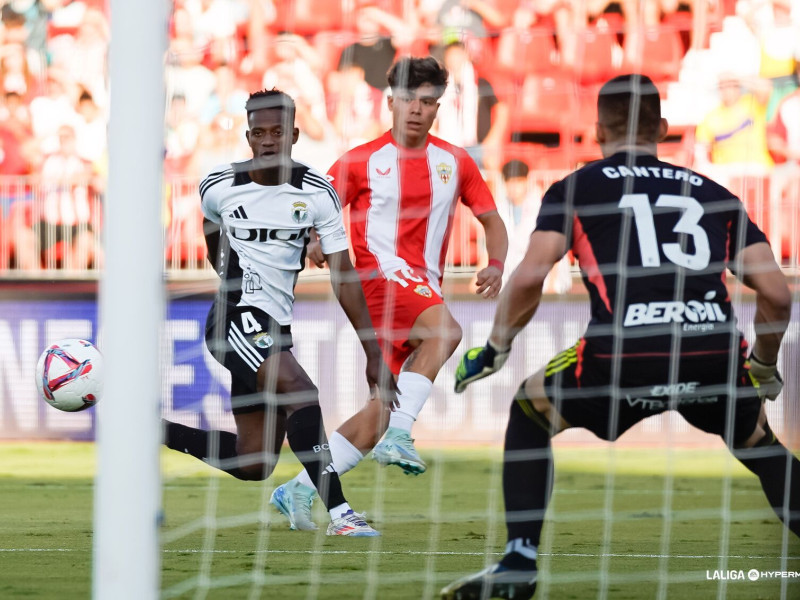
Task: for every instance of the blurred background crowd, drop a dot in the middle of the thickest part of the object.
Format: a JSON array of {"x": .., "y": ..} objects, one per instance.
[{"x": 523, "y": 81}]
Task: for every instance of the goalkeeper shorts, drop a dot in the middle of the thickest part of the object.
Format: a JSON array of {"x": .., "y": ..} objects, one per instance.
[
  {"x": 241, "y": 338},
  {"x": 607, "y": 399}
]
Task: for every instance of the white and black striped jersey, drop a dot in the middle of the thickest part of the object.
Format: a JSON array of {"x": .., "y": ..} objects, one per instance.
[{"x": 265, "y": 231}]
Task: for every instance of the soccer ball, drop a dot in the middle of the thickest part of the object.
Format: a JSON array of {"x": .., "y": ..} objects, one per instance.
[{"x": 69, "y": 375}]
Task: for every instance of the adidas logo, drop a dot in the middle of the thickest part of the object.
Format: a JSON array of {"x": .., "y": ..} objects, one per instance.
[{"x": 238, "y": 213}]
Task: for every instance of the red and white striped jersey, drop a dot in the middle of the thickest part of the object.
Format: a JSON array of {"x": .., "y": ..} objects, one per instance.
[{"x": 402, "y": 203}]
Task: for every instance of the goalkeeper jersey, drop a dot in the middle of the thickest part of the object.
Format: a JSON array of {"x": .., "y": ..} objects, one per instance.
[
  {"x": 267, "y": 228},
  {"x": 653, "y": 241}
]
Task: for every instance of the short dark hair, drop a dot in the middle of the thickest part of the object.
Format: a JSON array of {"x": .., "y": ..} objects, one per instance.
[
  {"x": 411, "y": 72},
  {"x": 630, "y": 100},
  {"x": 515, "y": 168},
  {"x": 270, "y": 99}
]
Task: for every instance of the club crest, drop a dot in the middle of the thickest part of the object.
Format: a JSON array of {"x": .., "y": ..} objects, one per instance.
[
  {"x": 299, "y": 211},
  {"x": 263, "y": 340},
  {"x": 445, "y": 172},
  {"x": 424, "y": 291}
]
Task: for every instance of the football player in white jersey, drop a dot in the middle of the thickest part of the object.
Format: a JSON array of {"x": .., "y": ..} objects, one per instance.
[
  {"x": 403, "y": 189},
  {"x": 258, "y": 215}
]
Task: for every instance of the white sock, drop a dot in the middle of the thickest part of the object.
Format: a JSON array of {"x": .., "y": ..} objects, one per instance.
[
  {"x": 345, "y": 457},
  {"x": 338, "y": 511},
  {"x": 414, "y": 391}
]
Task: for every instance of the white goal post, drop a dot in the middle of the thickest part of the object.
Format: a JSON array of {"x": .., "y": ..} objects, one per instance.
[{"x": 127, "y": 497}]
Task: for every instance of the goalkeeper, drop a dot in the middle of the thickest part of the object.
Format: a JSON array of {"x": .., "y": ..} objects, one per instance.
[{"x": 653, "y": 241}]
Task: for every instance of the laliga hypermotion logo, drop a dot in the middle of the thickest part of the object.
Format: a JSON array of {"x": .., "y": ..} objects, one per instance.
[{"x": 77, "y": 369}]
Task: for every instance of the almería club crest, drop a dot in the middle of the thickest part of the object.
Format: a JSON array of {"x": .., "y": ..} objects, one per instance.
[{"x": 445, "y": 172}]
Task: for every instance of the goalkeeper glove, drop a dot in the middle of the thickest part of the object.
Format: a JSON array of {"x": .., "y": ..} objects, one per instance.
[
  {"x": 767, "y": 378},
  {"x": 478, "y": 363}
]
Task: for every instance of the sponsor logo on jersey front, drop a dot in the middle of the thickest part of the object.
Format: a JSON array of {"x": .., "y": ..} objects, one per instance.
[
  {"x": 252, "y": 282},
  {"x": 424, "y": 291},
  {"x": 695, "y": 315},
  {"x": 382, "y": 172},
  {"x": 263, "y": 340},
  {"x": 445, "y": 172},
  {"x": 299, "y": 211}
]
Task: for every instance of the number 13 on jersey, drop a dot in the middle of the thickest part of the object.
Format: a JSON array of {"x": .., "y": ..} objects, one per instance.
[{"x": 687, "y": 224}]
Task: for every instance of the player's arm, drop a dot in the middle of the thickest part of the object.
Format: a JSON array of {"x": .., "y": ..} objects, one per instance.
[
  {"x": 314, "y": 249},
  {"x": 211, "y": 232},
  {"x": 347, "y": 289},
  {"x": 759, "y": 271},
  {"x": 490, "y": 279},
  {"x": 516, "y": 307}
]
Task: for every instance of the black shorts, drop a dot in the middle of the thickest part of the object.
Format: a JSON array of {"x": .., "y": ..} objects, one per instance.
[
  {"x": 580, "y": 387},
  {"x": 241, "y": 338}
]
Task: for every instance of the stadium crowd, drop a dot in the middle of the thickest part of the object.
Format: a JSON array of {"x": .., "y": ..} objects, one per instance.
[{"x": 523, "y": 74}]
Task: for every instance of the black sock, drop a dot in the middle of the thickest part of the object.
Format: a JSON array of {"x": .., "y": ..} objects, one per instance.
[
  {"x": 216, "y": 448},
  {"x": 308, "y": 441},
  {"x": 527, "y": 475},
  {"x": 769, "y": 461}
]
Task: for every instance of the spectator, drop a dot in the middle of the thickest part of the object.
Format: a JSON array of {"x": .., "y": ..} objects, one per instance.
[
  {"x": 66, "y": 224},
  {"x": 82, "y": 56},
  {"x": 354, "y": 106},
  {"x": 294, "y": 72},
  {"x": 471, "y": 114},
  {"x": 518, "y": 204},
  {"x": 182, "y": 134},
  {"x": 215, "y": 24},
  {"x": 783, "y": 141},
  {"x": 52, "y": 110},
  {"x": 187, "y": 77},
  {"x": 91, "y": 131},
  {"x": 228, "y": 96},
  {"x": 732, "y": 138},
  {"x": 14, "y": 71},
  {"x": 379, "y": 35}
]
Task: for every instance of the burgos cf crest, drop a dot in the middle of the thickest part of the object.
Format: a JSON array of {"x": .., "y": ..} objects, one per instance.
[
  {"x": 445, "y": 172},
  {"x": 263, "y": 340},
  {"x": 299, "y": 211},
  {"x": 424, "y": 291}
]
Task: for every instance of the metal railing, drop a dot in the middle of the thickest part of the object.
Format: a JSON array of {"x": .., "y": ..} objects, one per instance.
[{"x": 53, "y": 230}]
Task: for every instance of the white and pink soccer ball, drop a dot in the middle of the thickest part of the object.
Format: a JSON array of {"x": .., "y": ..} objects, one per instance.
[{"x": 69, "y": 375}]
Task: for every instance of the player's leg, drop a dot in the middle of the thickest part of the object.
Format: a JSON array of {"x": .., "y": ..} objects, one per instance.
[
  {"x": 434, "y": 337},
  {"x": 527, "y": 484},
  {"x": 239, "y": 454},
  {"x": 777, "y": 469},
  {"x": 298, "y": 396}
]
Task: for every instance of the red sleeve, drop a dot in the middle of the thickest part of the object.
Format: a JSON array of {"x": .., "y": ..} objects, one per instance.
[
  {"x": 474, "y": 191},
  {"x": 338, "y": 176}
]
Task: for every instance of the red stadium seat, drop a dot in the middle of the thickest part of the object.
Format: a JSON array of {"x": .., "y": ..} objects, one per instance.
[
  {"x": 545, "y": 110},
  {"x": 534, "y": 52},
  {"x": 306, "y": 17},
  {"x": 658, "y": 55},
  {"x": 595, "y": 61}
]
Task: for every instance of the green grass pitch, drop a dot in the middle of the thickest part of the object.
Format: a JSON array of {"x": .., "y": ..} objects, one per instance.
[{"x": 668, "y": 538}]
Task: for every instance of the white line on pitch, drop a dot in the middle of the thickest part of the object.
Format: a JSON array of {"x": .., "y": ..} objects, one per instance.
[{"x": 425, "y": 553}]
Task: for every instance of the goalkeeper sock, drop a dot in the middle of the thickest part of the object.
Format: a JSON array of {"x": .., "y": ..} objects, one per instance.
[
  {"x": 527, "y": 479},
  {"x": 779, "y": 472},
  {"x": 345, "y": 457},
  {"x": 216, "y": 448},
  {"x": 414, "y": 390},
  {"x": 308, "y": 441}
]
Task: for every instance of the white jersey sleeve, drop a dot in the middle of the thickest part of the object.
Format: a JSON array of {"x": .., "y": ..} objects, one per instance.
[
  {"x": 219, "y": 179},
  {"x": 328, "y": 220}
]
